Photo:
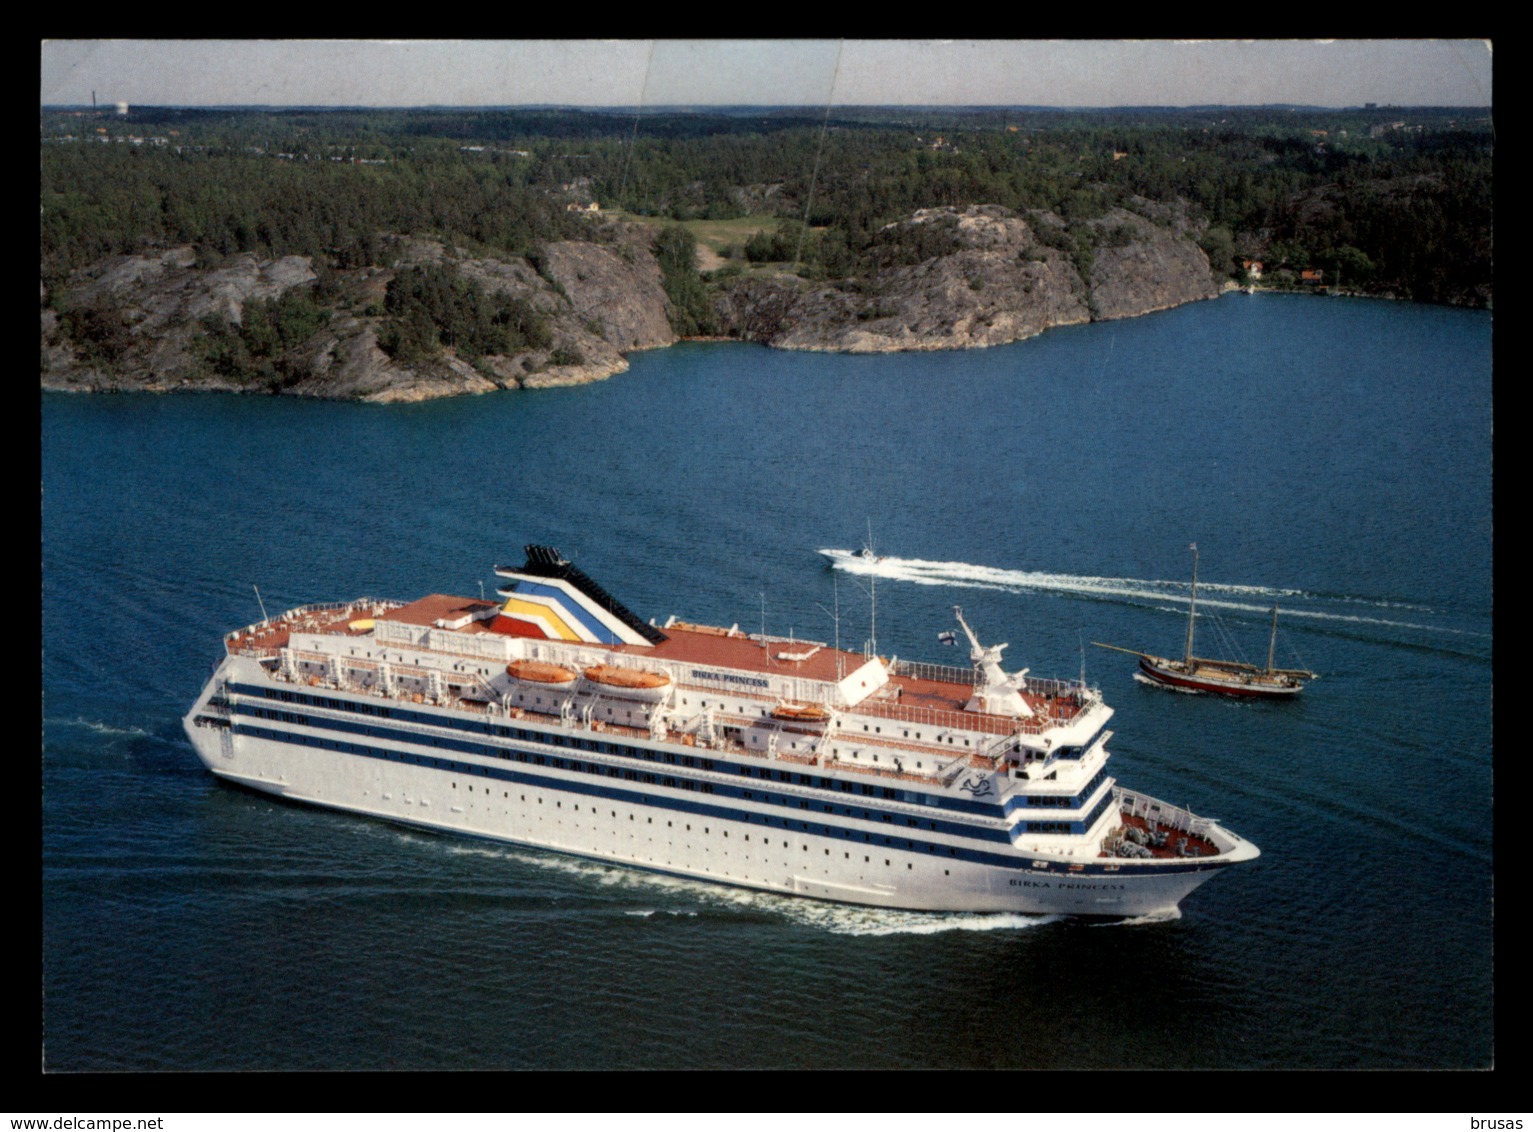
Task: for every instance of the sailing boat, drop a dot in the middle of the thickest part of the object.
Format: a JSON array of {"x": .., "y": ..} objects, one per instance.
[{"x": 1224, "y": 677}]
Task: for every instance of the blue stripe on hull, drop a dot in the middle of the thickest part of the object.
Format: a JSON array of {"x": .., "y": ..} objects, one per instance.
[{"x": 634, "y": 796}]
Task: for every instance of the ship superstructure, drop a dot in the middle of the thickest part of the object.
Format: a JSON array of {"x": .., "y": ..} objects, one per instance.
[{"x": 557, "y": 718}]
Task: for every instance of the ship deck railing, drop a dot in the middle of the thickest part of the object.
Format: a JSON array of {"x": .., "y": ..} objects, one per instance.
[
  {"x": 829, "y": 752},
  {"x": 305, "y": 613},
  {"x": 938, "y": 673},
  {"x": 257, "y": 652},
  {"x": 1167, "y": 840},
  {"x": 863, "y": 740},
  {"x": 829, "y": 756},
  {"x": 399, "y": 669},
  {"x": 824, "y": 759},
  {"x": 607, "y": 728},
  {"x": 1034, "y": 686},
  {"x": 1048, "y": 714},
  {"x": 1153, "y": 810},
  {"x": 451, "y": 700}
]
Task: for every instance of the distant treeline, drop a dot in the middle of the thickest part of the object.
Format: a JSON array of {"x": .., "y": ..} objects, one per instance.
[{"x": 1393, "y": 199}]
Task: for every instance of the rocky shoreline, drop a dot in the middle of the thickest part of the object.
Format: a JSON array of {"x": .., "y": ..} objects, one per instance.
[{"x": 1001, "y": 277}]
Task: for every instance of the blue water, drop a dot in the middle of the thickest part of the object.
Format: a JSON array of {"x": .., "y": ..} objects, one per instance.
[{"x": 1333, "y": 456}]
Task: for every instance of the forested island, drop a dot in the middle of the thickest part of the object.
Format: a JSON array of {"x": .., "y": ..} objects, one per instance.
[{"x": 403, "y": 254}]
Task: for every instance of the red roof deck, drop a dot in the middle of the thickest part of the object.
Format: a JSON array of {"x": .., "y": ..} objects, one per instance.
[
  {"x": 921, "y": 700},
  {"x": 442, "y": 607},
  {"x": 701, "y": 644}
]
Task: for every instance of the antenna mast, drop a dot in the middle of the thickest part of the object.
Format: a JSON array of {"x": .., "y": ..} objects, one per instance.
[
  {"x": 835, "y": 616},
  {"x": 873, "y": 600},
  {"x": 873, "y": 591}
]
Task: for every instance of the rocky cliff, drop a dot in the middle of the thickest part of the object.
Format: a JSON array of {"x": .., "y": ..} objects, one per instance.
[
  {"x": 599, "y": 301},
  {"x": 949, "y": 279},
  {"x": 1002, "y": 278}
]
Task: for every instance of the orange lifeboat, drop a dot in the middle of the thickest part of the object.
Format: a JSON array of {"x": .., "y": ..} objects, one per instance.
[
  {"x": 633, "y": 683},
  {"x": 539, "y": 672},
  {"x": 801, "y": 713}
]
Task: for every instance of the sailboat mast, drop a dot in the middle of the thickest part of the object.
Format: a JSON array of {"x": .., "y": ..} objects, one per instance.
[
  {"x": 1192, "y": 606},
  {"x": 1272, "y": 644}
]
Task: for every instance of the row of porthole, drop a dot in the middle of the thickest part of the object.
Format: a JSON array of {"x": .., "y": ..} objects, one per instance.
[
  {"x": 866, "y": 859},
  {"x": 707, "y": 830}
]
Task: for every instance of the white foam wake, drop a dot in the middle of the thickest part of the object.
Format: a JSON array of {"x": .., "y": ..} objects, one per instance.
[
  {"x": 923, "y": 572},
  {"x": 838, "y": 919},
  {"x": 98, "y": 727}
]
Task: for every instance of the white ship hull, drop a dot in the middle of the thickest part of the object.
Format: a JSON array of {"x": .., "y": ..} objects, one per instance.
[{"x": 402, "y": 773}]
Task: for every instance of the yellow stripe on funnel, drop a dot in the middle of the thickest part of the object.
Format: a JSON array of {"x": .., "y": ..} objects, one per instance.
[{"x": 536, "y": 611}]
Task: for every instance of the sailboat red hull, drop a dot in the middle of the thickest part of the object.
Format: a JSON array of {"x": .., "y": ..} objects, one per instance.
[{"x": 1255, "y": 686}]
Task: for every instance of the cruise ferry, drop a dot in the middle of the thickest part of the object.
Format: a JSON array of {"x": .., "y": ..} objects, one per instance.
[{"x": 557, "y": 718}]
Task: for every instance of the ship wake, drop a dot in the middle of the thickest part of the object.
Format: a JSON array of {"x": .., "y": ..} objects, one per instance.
[
  {"x": 837, "y": 919},
  {"x": 1247, "y": 598}
]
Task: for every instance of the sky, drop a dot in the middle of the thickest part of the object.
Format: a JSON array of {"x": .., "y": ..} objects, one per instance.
[{"x": 1066, "y": 73}]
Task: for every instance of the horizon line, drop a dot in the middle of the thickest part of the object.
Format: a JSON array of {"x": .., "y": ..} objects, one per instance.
[{"x": 107, "y": 106}]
